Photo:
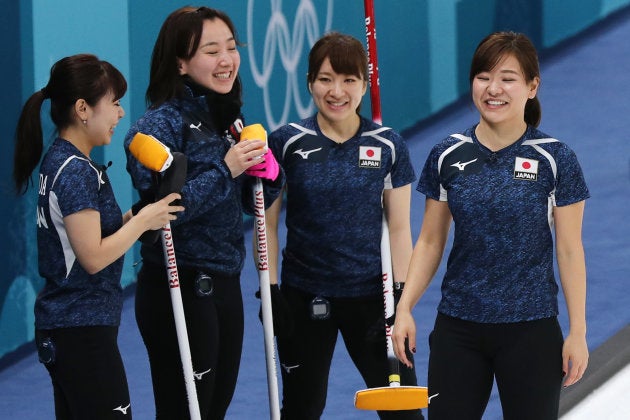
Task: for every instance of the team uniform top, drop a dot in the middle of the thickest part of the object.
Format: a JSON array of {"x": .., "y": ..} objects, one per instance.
[
  {"x": 68, "y": 183},
  {"x": 500, "y": 268},
  {"x": 208, "y": 235},
  {"x": 334, "y": 208}
]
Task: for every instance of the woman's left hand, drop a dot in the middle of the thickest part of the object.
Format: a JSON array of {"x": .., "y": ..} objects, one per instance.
[{"x": 574, "y": 358}]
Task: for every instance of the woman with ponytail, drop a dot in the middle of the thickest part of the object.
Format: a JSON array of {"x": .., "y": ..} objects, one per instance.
[{"x": 82, "y": 236}]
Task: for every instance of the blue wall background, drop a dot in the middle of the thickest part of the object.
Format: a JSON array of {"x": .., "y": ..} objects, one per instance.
[{"x": 424, "y": 49}]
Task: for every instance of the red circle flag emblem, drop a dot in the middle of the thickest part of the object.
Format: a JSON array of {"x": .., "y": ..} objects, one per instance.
[
  {"x": 526, "y": 169},
  {"x": 369, "y": 157}
]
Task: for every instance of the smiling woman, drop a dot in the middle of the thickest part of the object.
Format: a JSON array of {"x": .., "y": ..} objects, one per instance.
[
  {"x": 215, "y": 63},
  {"x": 334, "y": 161},
  {"x": 81, "y": 235},
  {"x": 498, "y": 316},
  {"x": 500, "y": 94},
  {"x": 195, "y": 109}
]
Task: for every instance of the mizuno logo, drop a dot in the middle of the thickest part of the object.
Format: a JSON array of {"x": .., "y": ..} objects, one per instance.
[
  {"x": 122, "y": 409},
  {"x": 432, "y": 396},
  {"x": 305, "y": 154},
  {"x": 196, "y": 127},
  {"x": 199, "y": 375},
  {"x": 288, "y": 369},
  {"x": 461, "y": 166}
]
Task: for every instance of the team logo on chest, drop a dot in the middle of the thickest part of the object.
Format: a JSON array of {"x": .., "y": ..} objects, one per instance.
[
  {"x": 526, "y": 169},
  {"x": 369, "y": 157}
]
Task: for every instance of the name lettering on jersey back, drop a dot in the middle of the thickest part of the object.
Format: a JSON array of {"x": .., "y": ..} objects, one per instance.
[
  {"x": 41, "y": 217},
  {"x": 43, "y": 180},
  {"x": 526, "y": 169},
  {"x": 369, "y": 157}
]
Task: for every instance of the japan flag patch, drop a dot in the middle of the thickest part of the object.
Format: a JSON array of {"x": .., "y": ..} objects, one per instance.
[
  {"x": 526, "y": 169},
  {"x": 369, "y": 157}
]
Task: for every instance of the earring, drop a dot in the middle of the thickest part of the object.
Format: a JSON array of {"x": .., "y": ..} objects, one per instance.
[{"x": 85, "y": 122}]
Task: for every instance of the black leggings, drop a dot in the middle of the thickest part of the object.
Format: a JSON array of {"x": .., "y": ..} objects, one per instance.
[
  {"x": 306, "y": 355},
  {"x": 524, "y": 357},
  {"x": 215, "y": 331},
  {"x": 87, "y": 372}
]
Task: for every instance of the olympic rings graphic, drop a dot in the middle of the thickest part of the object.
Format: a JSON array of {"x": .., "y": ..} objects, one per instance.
[{"x": 289, "y": 46}]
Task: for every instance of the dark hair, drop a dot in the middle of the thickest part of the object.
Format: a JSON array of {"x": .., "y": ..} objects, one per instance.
[
  {"x": 179, "y": 38},
  {"x": 81, "y": 76},
  {"x": 496, "y": 46},
  {"x": 346, "y": 54}
]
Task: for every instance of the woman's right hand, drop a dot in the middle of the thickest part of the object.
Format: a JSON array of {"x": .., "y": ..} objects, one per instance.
[
  {"x": 243, "y": 155},
  {"x": 159, "y": 214}
]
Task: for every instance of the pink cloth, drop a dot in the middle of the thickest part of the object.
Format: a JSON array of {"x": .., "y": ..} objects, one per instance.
[{"x": 268, "y": 169}]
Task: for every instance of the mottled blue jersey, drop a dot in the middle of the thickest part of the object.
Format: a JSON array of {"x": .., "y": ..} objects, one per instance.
[
  {"x": 334, "y": 207},
  {"x": 500, "y": 268},
  {"x": 68, "y": 183},
  {"x": 208, "y": 235}
]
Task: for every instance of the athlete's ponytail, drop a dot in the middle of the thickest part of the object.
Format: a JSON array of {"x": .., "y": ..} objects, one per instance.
[
  {"x": 28, "y": 141},
  {"x": 81, "y": 76},
  {"x": 533, "y": 112}
]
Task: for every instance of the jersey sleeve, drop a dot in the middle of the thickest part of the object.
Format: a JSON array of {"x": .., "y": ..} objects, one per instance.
[
  {"x": 429, "y": 182},
  {"x": 402, "y": 169},
  {"x": 77, "y": 187},
  {"x": 164, "y": 126},
  {"x": 275, "y": 141},
  {"x": 570, "y": 183}
]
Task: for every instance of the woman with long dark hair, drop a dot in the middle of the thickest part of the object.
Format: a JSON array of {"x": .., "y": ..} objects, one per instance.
[
  {"x": 81, "y": 236},
  {"x": 194, "y": 97}
]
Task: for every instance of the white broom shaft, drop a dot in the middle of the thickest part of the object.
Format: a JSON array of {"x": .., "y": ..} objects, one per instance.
[
  {"x": 367, "y": 399},
  {"x": 180, "y": 321},
  {"x": 388, "y": 297},
  {"x": 386, "y": 268},
  {"x": 262, "y": 265},
  {"x": 386, "y": 257},
  {"x": 375, "y": 97}
]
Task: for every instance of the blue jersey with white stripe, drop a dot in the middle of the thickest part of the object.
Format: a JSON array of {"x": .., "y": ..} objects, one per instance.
[
  {"x": 68, "y": 183},
  {"x": 500, "y": 268},
  {"x": 334, "y": 206}
]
